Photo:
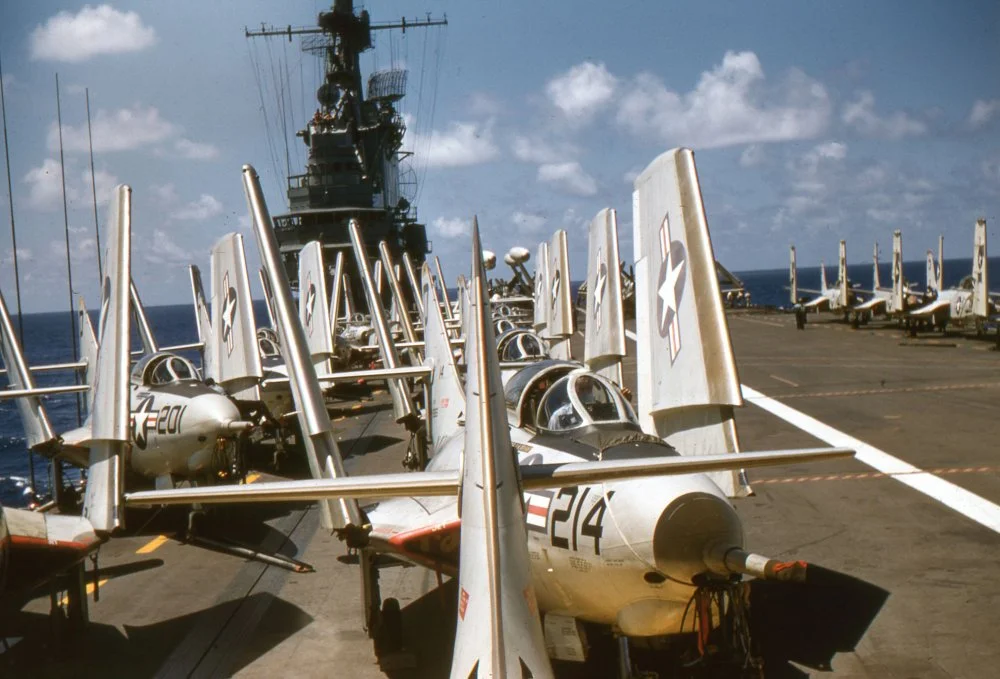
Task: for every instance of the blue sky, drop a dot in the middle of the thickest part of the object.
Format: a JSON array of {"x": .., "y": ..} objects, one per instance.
[{"x": 811, "y": 122}]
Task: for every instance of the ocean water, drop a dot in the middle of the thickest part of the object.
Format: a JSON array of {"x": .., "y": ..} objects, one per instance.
[{"x": 47, "y": 339}]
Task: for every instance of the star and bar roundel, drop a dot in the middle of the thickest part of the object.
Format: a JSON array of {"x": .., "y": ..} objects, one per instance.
[
  {"x": 670, "y": 287},
  {"x": 600, "y": 286},
  {"x": 228, "y": 315}
]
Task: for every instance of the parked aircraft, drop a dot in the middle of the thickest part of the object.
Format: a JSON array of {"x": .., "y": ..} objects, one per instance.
[
  {"x": 838, "y": 298},
  {"x": 181, "y": 427},
  {"x": 891, "y": 301},
  {"x": 581, "y": 457},
  {"x": 37, "y": 547},
  {"x": 970, "y": 301}
]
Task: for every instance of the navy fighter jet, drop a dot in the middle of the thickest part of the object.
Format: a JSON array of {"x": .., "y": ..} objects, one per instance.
[{"x": 621, "y": 529}]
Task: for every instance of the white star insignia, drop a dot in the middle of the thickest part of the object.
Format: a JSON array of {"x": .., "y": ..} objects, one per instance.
[{"x": 667, "y": 291}]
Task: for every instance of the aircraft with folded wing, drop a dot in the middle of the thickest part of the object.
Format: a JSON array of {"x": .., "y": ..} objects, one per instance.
[
  {"x": 37, "y": 547},
  {"x": 970, "y": 301},
  {"x": 622, "y": 529},
  {"x": 181, "y": 427},
  {"x": 840, "y": 297}
]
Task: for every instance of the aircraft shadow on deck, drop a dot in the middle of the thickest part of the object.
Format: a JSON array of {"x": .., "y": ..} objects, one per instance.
[
  {"x": 141, "y": 651},
  {"x": 798, "y": 628},
  {"x": 365, "y": 445}
]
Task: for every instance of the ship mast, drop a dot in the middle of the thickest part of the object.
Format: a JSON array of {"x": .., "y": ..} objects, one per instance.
[{"x": 354, "y": 141}]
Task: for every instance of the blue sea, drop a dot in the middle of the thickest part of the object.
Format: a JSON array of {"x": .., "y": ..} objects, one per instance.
[{"x": 47, "y": 339}]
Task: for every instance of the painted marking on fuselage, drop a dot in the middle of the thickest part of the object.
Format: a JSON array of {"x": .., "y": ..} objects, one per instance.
[
  {"x": 152, "y": 545},
  {"x": 964, "y": 502}
]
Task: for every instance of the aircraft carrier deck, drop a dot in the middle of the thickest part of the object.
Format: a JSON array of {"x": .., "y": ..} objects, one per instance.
[{"x": 188, "y": 612}]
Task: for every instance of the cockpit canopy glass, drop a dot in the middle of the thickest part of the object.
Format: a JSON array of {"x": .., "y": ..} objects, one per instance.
[
  {"x": 162, "y": 369},
  {"x": 521, "y": 346},
  {"x": 581, "y": 399}
]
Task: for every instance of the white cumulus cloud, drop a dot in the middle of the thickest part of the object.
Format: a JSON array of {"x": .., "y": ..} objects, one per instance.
[
  {"x": 983, "y": 112},
  {"x": 527, "y": 222},
  {"x": 91, "y": 31},
  {"x": 164, "y": 250},
  {"x": 460, "y": 145},
  {"x": 582, "y": 90},
  {"x": 204, "y": 208},
  {"x": 451, "y": 228},
  {"x": 45, "y": 186},
  {"x": 731, "y": 104},
  {"x": 104, "y": 183},
  {"x": 568, "y": 177},
  {"x": 121, "y": 130},
  {"x": 861, "y": 115},
  {"x": 193, "y": 150}
]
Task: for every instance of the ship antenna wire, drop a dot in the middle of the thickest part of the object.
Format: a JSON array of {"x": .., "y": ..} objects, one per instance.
[
  {"x": 13, "y": 240},
  {"x": 69, "y": 262}
]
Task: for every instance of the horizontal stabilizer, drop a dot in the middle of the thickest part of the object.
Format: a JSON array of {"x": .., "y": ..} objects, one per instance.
[
  {"x": 870, "y": 305},
  {"x": 370, "y": 487},
  {"x": 42, "y": 391},
  {"x": 428, "y": 484},
  {"x": 930, "y": 309},
  {"x": 581, "y": 473},
  {"x": 353, "y": 375}
]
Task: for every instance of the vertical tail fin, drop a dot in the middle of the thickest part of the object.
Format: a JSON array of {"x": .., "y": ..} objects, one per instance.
[
  {"x": 398, "y": 301},
  {"x": 236, "y": 359},
  {"x": 109, "y": 418},
  {"x": 448, "y": 313},
  {"x": 463, "y": 302},
  {"x": 498, "y": 631},
  {"x": 88, "y": 349},
  {"x": 322, "y": 452},
  {"x": 542, "y": 305},
  {"x": 876, "y": 282},
  {"x": 559, "y": 298},
  {"x": 980, "y": 274},
  {"x": 793, "y": 275},
  {"x": 268, "y": 299},
  {"x": 448, "y": 405},
  {"x": 377, "y": 277},
  {"x": 37, "y": 427},
  {"x": 930, "y": 274},
  {"x": 898, "y": 297},
  {"x": 402, "y": 404},
  {"x": 348, "y": 297},
  {"x": 338, "y": 272},
  {"x": 203, "y": 318},
  {"x": 822, "y": 277},
  {"x": 149, "y": 343},
  {"x": 681, "y": 326},
  {"x": 940, "y": 264},
  {"x": 604, "y": 342},
  {"x": 842, "y": 274},
  {"x": 313, "y": 305},
  {"x": 411, "y": 275}
]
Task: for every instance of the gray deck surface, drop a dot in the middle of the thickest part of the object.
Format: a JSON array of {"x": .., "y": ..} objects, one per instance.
[{"x": 197, "y": 613}]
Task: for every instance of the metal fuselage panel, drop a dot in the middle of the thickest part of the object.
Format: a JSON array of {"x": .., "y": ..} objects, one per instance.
[
  {"x": 175, "y": 427},
  {"x": 591, "y": 547}
]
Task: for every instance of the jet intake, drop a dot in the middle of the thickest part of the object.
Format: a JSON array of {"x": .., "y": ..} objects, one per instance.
[{"x": 688, "y": 531}]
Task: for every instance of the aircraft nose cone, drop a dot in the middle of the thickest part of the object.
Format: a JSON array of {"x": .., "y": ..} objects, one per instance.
[{"x": 686, "y": 530}]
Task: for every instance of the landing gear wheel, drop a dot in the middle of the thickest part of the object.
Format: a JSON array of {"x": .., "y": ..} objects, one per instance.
[{"x": 389, "y": 635}]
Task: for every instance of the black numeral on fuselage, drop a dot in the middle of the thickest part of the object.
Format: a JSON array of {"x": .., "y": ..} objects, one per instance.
[{"x": 593, "y": 522}]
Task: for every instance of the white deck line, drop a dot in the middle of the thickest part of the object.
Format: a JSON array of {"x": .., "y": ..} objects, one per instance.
[{"x": 977, "y": 508}]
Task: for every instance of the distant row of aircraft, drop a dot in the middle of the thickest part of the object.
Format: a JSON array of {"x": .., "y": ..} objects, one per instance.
[{"x": 970, "y": 303}]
